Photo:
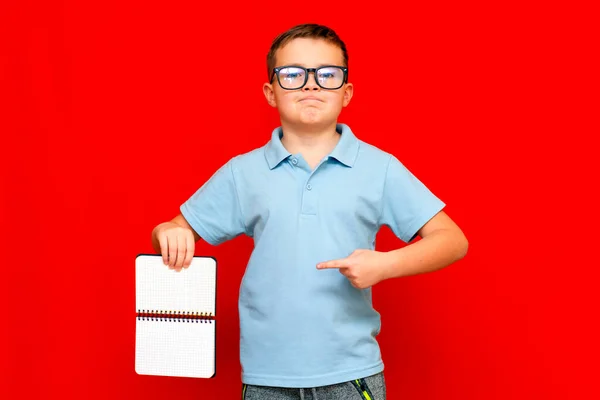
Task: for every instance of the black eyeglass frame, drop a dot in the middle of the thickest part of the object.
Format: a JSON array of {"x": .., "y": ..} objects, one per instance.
[{"x": 307, "y": 72}]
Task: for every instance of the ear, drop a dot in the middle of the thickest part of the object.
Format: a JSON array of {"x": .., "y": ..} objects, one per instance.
[
  {"x": 348, "y": 92},
  {"x": 269, "y": 94}
]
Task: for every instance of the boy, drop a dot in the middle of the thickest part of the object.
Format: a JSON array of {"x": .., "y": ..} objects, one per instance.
[{"x": 313, "y": 199}]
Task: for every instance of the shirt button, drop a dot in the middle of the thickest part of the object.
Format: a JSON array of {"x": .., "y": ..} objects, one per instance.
[
  {"x": 309, "y": 187},
  {"x": 294, "y": 161}
]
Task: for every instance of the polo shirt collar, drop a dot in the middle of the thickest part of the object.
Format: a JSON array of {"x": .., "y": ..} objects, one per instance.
[
  {"x": 274, "y": 151},
  {"x": 345, "y": 151}
]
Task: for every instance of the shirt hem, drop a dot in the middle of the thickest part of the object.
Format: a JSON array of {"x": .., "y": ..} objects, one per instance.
[{"x": 311, "y": 381}]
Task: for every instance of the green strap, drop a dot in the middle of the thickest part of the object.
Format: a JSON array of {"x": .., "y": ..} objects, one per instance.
[{"x": 362, "y": 387}]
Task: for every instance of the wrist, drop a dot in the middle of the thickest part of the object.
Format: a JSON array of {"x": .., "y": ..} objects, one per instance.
[{"x": 392, "y": 261}]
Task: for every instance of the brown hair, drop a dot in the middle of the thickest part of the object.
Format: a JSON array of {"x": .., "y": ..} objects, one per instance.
[{"x": 312, "y": 31}]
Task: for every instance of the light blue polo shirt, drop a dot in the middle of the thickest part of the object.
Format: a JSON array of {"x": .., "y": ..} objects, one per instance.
[{"x": 299, "y": 326}]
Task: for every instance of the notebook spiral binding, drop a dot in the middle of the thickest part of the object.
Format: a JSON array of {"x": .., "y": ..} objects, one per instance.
[{"x": 175, "y": 316}]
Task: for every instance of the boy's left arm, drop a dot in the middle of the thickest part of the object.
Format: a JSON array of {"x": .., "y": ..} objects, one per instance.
[{"x": 442, "y": 244}]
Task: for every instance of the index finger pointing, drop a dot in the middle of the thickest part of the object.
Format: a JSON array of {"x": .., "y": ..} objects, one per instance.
[{"x": 331, "y": 264}]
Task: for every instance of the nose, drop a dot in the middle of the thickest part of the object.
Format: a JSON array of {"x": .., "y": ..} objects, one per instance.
[{"x": 311, "y": 83}]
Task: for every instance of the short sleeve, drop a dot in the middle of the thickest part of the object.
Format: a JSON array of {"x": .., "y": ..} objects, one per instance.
[
  {"x": 407, "y": 203},
  {"x": 213, "y": 211}
]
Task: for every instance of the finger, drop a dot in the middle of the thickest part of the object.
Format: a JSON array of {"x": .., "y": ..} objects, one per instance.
[
  {"x": 172, "y": 250},
  {"x": 164, "y": 248},
  {"x": 341, "y": 263},
  {"x": 180, "y": 252},
  {"x": 189, "y": 253},
  {"x": 344, "y": 271}
]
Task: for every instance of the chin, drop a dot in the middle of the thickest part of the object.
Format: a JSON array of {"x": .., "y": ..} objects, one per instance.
[
  {"x": 314, "y": 118},
  {"x": 311, "y": 121}
]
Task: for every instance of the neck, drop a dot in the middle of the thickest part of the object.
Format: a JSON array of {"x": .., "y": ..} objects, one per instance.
[{"x": 309, "y": 140}]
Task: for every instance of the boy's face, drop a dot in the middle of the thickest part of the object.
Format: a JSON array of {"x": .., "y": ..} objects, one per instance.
[{"x": 310, "y": 105}]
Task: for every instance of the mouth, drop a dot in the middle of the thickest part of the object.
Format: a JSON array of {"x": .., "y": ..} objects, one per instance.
[{"x": 310, "y": 98}]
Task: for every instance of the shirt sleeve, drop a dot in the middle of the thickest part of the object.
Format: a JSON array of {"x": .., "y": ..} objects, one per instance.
[
  {"x": 407, "y": 203},
  {"x": 213, "y": 211}
]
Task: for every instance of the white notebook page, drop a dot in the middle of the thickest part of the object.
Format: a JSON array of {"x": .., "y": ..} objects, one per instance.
[{"x": 175, "y": 348}]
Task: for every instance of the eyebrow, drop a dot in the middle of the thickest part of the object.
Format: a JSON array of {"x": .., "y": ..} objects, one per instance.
[{"x": 305, "y": 65}]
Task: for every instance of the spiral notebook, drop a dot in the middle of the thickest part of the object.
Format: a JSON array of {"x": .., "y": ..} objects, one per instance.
[{"x": 175, "y": 318}]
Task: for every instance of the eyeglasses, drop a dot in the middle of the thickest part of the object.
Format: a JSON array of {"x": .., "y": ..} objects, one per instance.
[{"x": 328, "y": 77}]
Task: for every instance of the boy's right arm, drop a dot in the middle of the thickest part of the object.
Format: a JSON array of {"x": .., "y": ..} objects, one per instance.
[{"x": 175, "y": 241}]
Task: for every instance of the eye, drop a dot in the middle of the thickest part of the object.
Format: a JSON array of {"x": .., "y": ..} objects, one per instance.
[
  {"x": 291, "y": 73},
  {"x": 329, "y": 73}
]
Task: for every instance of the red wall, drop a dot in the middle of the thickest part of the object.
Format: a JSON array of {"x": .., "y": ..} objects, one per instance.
[{"x": 113, "y": 114}]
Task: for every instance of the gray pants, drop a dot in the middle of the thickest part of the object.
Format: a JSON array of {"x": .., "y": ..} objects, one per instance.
[{"x": 369, "y": 388}]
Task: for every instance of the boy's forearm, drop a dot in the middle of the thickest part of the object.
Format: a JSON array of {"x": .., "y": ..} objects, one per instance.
[{"x": 438, "y": 250}]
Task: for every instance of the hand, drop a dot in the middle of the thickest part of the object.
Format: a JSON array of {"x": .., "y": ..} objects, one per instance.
[
  {"x": 176, "y": 245},
  {"x": 363, "y": 268}
]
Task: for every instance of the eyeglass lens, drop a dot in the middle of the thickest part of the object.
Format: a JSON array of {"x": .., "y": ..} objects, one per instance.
[{"x": 327, "y": 77}]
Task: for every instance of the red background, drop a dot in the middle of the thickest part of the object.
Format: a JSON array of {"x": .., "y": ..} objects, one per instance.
[{"x": 114, "y": 113}]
